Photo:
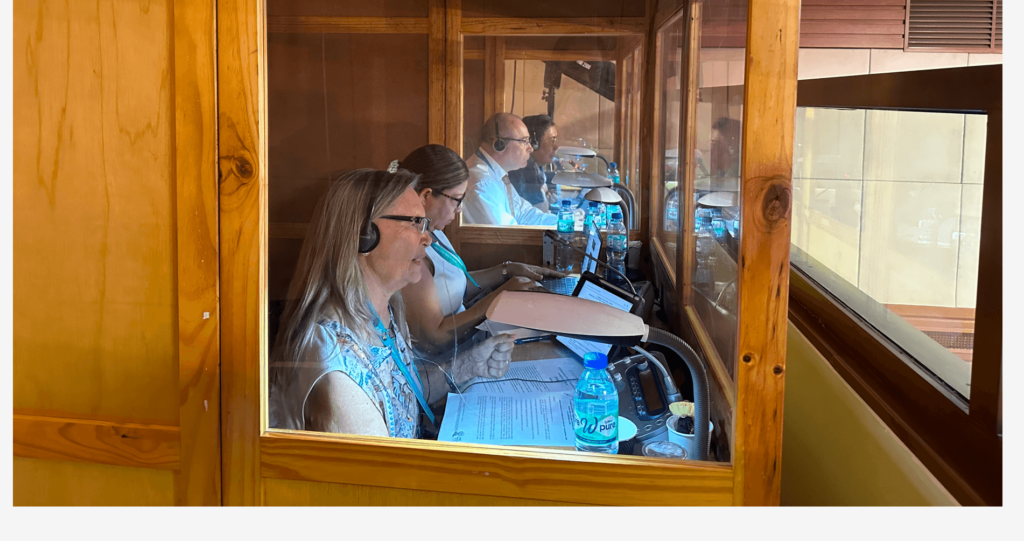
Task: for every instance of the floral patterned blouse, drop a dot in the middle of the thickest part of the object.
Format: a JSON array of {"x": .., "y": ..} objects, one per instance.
[{"x": 370, "y": 367}]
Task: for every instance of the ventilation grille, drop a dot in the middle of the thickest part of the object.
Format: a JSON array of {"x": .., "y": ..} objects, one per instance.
[
  {"x": 955, "y": 24},
  {"x": 953, "y": 340}
]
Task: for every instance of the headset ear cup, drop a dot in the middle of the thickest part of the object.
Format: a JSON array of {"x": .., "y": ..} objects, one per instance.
[
  {"x": 369, "y": 238},
  {"x": 499, "y": 145}
]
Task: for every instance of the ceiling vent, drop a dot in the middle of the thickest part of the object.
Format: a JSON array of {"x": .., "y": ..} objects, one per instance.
[{"x": 955, "y": 25}]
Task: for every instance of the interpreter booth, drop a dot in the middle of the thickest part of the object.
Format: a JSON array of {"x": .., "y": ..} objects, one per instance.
[{"x": 678, "y": 114}]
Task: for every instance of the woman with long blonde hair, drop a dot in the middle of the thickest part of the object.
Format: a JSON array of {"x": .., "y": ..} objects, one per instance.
[{"x": 341, "y": 362}]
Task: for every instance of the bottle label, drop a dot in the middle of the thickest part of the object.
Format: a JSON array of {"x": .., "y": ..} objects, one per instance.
[
  {"x": 597, "y": 431},
  {"x": 617, "y": 242}
]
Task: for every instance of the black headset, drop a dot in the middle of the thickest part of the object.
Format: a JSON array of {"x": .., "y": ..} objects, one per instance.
[
  {"x": 369, "y": 234},
  {"x": 534, "y": 140},
  {"x": 499, "y": 143}
]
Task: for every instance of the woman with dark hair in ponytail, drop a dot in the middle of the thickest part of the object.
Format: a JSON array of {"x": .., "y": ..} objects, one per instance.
[{"x": 437, "y": 304}]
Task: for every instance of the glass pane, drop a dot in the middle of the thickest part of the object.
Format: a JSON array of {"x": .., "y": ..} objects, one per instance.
[
  {"x": 887, "y": 217},
  {"x": 561, "y": 91},
  {"x": 669, "y": 100},
  {"x": 717, "y": 151}
]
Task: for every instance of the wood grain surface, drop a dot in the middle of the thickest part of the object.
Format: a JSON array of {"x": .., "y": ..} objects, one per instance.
[
  {"x": 195, "y": 126},
  {"x": 94, "y": 223},
  {"x": 611, "y": 26},
  {"x": 767, "y": 167},
  {"x": 348, "y": 25},
  {"x": 493, "y": 471},
  {"x": 103, "y": 442},
  {"x": 243, "y": 229}
]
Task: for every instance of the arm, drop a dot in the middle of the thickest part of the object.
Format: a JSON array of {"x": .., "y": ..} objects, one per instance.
[
  {"x": 337, "y": 404},
  {"x": 527, "y": 214},
  {"x": 427, "y": 324},
  {"x": 487, "y": 203},
  {"x": 492, "y": 277}
]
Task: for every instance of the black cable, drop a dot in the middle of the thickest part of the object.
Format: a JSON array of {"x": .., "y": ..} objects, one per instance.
[
  {"x": 515, "y": 66},
  {"x": 517, "y": 379}
]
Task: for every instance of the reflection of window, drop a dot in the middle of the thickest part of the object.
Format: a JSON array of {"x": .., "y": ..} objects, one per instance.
[{"x": 887, "y": 217}]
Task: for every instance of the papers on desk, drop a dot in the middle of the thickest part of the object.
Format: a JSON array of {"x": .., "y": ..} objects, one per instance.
[
  {"x": 509, "y": 411},
  {"x": 551, "y": 370},
  {"x": 509, "y": 419}
]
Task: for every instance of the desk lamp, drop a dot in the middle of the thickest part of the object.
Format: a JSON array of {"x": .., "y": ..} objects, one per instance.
[{"x": 589, "y": 320}]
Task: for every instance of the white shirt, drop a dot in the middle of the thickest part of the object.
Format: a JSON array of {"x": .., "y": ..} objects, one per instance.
[
  {"x": 492, "y": 200},
  {"x": 449, "y": 280}
]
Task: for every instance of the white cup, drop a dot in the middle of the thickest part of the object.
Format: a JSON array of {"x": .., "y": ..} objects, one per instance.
[{"x": 686, "y": 441}]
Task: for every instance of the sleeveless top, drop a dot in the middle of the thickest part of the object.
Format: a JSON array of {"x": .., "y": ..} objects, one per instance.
[
  {"x": 370, "y": 367},
  {"x": 449, "y": 280}
]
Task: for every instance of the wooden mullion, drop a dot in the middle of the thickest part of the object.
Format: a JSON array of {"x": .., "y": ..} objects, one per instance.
[
  {"x": 620, "y": 93},
  {"x": 453, "y": 95},
  {"x": 436, "y": 74},
  {"x": 241, "y": 94},
  {"x": 688, "y": 140},
  {"x": 769, "y": 106},
  {"x": 195, "y": 154},
  {"x": 647, "y": 133},
  {"x": 986, "y": 368}
]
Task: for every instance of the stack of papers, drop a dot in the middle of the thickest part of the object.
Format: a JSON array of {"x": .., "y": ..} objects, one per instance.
[{"x": 510, "y": 411}]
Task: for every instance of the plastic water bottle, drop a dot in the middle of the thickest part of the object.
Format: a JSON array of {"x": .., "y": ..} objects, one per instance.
[
  {"x": 615, "y": 253},
  {"x": 596, "y": 407},
  {"x": 613, "y": 172},
  {"x": 566, "y": 231},
  {"x": 596, "y": 214}
]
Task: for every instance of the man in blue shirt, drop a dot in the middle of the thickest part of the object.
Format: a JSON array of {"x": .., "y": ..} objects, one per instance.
[{"x": 490, "y": 198}]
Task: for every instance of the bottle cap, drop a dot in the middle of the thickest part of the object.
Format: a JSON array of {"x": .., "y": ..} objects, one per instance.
[
  {"x": 613, "y": 165},
  {"x": 595, "y": 360},
  {"x": 566, "y": 202},
  {"x": 616, "y": 215}
]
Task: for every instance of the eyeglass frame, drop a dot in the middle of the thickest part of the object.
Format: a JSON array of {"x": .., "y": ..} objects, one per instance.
[
  {"x": 458, "y": 201},
  {"x": 528, "y": 142},
  {"x": 421, "y": 221}
]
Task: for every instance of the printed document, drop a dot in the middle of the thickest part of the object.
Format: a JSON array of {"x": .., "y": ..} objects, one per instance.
[
  {"x": 550, "y": 370},
  {"x": 509, "y": 419}
]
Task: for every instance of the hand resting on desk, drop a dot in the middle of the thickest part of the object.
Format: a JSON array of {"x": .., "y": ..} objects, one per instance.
[{"x": 488, "y": 359}]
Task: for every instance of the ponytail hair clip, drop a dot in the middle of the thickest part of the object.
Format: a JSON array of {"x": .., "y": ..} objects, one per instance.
[{"x": 393, "y": 166}]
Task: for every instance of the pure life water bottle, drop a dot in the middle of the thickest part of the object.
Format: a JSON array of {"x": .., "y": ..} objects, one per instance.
[{"x": 596, "y": 407}]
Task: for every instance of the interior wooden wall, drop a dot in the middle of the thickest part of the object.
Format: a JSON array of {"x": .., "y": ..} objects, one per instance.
[{"x": 103, "y": 414}]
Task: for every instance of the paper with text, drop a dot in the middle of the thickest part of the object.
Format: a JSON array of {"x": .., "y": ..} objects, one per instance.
[
  {"x": 561, "y": 368},
  {"x": 509, "y": 419}
]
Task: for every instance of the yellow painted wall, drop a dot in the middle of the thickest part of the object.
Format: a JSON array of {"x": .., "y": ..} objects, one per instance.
[{"x": 835, "y": 450}]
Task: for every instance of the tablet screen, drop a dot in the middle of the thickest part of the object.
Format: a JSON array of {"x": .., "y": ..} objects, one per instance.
[{"x": 593, "y": 292}]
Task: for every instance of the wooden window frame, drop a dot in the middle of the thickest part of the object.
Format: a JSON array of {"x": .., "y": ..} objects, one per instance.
[
  {"x": 956, "y": 441},
  {"x": 252, "y": 452}
]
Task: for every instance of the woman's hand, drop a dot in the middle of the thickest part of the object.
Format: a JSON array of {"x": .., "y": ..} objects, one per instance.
[
  {"x": 488, "y": 359},
  {"x": 519, "y": 283},
  {"x": 532, "y": 272}
]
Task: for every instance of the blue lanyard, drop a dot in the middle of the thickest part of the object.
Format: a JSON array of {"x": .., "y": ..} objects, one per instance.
[
  {"x": 486, "y": 161},
  {"x": 385, "y": 338},
  {"x": 451, "y": 257}
]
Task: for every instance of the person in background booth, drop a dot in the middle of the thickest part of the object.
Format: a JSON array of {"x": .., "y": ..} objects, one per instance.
[
  {"x": 530, "y": 181},
  {"x": 491, "y": 199},
  {"x": 341, "y": 361},
  {"x": 436, "y": 304}
]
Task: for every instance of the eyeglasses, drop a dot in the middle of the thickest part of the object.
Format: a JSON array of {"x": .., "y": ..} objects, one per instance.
[
  {"x": 458, "y": 201},
  {"x": 421, "y": 222},
  {"x": 526, "y": 141}
]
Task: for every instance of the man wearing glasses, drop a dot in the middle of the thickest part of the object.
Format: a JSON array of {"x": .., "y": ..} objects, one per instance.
[{"x": 505, "y": 145}]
